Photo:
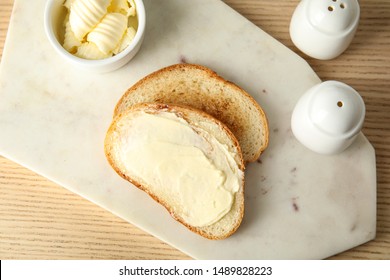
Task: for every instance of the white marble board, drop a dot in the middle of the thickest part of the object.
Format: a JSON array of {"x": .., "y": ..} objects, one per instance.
[{"x": 299, "y": 205}]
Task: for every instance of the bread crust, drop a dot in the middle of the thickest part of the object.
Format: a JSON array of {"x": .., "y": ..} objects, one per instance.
[
  {"x": 181, "y": 111},
  {"x": 234, "y": 126}
]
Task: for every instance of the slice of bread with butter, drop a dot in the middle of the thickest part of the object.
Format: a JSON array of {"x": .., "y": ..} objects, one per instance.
[
  {"x": 185, "y": 159},
  {"x": 201, "y": 88}
]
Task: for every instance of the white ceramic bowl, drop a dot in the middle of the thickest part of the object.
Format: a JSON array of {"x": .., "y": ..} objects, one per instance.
[
  {"x": 54, "y": 16},
  {"x": 323, "y": 29},
  {"x": 328, "y": 117}
]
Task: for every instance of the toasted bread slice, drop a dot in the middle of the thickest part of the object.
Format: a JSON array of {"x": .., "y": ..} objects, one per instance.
[
  {"x": 185, "y": 179},
  {"x": 201, "y": 88}
]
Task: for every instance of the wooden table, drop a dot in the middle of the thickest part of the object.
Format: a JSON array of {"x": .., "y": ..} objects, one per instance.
[{"x": 41, "y": 220}]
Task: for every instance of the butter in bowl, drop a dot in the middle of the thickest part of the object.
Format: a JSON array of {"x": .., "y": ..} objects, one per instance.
[{"x": 96, "y": 35}]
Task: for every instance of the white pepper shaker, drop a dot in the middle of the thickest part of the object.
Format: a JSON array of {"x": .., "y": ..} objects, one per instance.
[
  {"x": 323, "y": 29},
  {"x": 328, "y": 117}
]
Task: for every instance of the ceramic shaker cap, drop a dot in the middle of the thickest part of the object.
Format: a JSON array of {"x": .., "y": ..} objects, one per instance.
[
  {"x": 328, "y": 117},
  {"x": 323, "y": 29}
]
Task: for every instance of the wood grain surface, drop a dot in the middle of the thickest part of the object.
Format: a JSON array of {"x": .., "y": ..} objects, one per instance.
[{"x": 41, "y": 220}]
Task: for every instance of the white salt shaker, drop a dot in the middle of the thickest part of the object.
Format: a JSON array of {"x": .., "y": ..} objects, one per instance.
[
  {"x": 323, "y": 29},
  {"x": 328, "y": 117}
]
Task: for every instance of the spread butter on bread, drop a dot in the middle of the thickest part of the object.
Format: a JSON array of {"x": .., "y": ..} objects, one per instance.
[
  {"x": 185, "y": 159},
  {"x": 201, "y": 88}
]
